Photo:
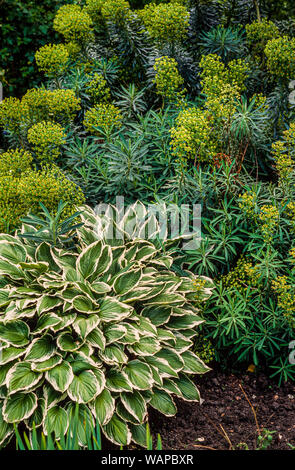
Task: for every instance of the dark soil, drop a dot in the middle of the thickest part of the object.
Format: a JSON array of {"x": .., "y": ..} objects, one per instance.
[{"x": 225, "y": 418}]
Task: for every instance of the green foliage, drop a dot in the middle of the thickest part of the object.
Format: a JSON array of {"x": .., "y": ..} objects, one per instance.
[
  {"x": 225, "y": 42},
  {"x": 15, "y": 162},
  {"x": 259, "y": 33},
  {"x": 73, "y": 23},
  {"x": 98, "y": 328},
  {"x": 52, "y": 59},
  {"x": 166, "y": 22},
  {"x": 173, "y": 103},
  {"x": 105, "y": 116},
  {"x": 46, "y": 138},
  {"x": 26, "y": 188},
  {"x": 168, "y": 80},
  {"x": 52, "y": 229},
  {"x": 40, "y": 441},
  {"x": 280, "y": 53},
  {"x": 26, "y": 26}
]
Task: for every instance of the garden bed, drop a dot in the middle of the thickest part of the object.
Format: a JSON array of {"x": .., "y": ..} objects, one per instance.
[{"x": 225, "y": 406}]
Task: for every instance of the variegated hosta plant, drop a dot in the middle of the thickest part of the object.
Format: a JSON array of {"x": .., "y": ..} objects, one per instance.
[{"x": 108, "y": 325}]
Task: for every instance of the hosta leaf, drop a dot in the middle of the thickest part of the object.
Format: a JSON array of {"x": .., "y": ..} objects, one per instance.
[
  {"x": 40, "y": 267},
  {"x": 46, "y": 321},
  {"x": 96, "y": 339},
  {"x": 146, "y": 327},
  {"x": 65, "y": 321},
  {"x": 184, "y": 322},
  {"x": 66, "y": 342},
  {"x": 104, "y": 262},
  {"x": 84, "y": 305},
  {"x": 173, "y": 359},
  {"x": 170, "y": 387},
  {"x": 19, "y": 406},
  {"x": 167, "y": 299},
  {"x": 117, "y": 431},
  {"x": 10, "y": 354},
  {"x": 157, "y": 315},
  {"x": 36, "y": 419},
  {"x": 4, "y": 371},
  {"x": 100, "y": 287},
  {"x": 60, "y": 376},
  {"x": 52, "y": 397},
  {"x": 139, "y": 374},
  {"x": 158, "y": 380},
  {"x": 43, "y": 253},
  {"x": 84, "y": 387},
  {"x": 46, "y": 303},
  {"x": 145, "y": 252},
  {"x": 84, "y": 325},
  {"x": 162, "y": 402},
  {"x": 181, "y": 344},
  {"x": 5, "y": 429},
  {"x": 13, "y": 252},
  {"x": 124, "y": 414},
  {"x": 88, "y": 260},
  {"x": 41, "y": 349},
  {"x": 138, "y": 432},
  {"x": 103, "y": 407},
  {"x": 131, "y": 336},
  {"x": 127, "y": 281},
  {"x": 117, "y": 381},
  {"x": 145, "y": 347},
  {"x": 113, "y": 355},
  {"x": 135, "y": 404},
  {"x": 193, "y": 364},
  {"x": 187, "y": 388},
  {"x": 16, "y": 333},
  {"x": 43, "y": 366},
  {"x": 56, "y": 422},
  {"x": 113, "y": 310},
  {"x": 11, "y": 270},
  {"x": 4, "y": 297},
  {"x": 85, "y": 421},
  {"x": 21, "y": 377},
  {"x": 114, "y": 333},
  {"x": 163, "y": 366}
]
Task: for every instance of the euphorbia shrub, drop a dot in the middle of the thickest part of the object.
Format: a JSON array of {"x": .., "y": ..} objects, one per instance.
[{"x": 107, "y": 325}]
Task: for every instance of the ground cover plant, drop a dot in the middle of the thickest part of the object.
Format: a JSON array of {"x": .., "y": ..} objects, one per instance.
[{"x": 174, "y": 102}]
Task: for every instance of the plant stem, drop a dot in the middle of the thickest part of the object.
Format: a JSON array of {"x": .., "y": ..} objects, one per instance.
[{"x": 256, "y": 4}]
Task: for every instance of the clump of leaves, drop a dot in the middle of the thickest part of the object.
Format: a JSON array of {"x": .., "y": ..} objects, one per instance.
[{"x": 107, "y": 326}]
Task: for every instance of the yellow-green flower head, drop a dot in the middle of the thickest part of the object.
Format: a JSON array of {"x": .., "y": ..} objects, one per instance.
[
  {"x": 168, "y": 80},
  {"x": 280, "y": 55},
  {"x": 12, "y": 113},
  {"x": 93, "y": 8},
  {"x": 243, "y": 276},
  {"x": 269, "y": 215},
  {"x": 166, "y": 22},
  {"x": 73, "y": 48},
  {"x": 52, "y": 59},
  {"x": 247, "y": 203},
  {"x": 216, "y": 75},
  {"x": 19, "y": 195},
  {"x": 259, "y": 33},
  {"x": 283, "y": 151},
  {"x": 106, "y": 116},
  {"x": 15, "y": 162},
  {"x": 97, "y": 88},
  {"x": 73, "y": 23},
  {"x": 116, "y": 10},
  {"x": 46, "y": 138},
  {"x": 191, "y": 137},
  {"x": 60, "y": 104}
]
